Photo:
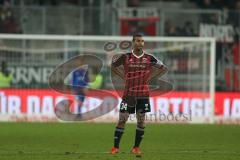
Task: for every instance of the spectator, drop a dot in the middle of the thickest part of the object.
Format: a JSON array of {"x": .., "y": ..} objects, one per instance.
[
  {"x": 80, "y": 79},
  {"x": 133, "y": 3},
  {"x": 205, "y": 4},
  {"x": 48, "y": 2},
  {"x": 97, "y": 79},
  {"x": 233, "y": 59},
  {"x": 170, "y": 29},
  {"x": 10, "y": 26},
  {"x": 236, "y": 62},
  {"x": 5, "y": 77},
  {"x": 188, "y": 29},
  {"x": 7, "y": 21},
  {"x": 234, "y": 16}
]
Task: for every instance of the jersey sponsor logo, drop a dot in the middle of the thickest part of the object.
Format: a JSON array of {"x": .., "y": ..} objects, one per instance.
[
  {"x": 144, "y": 60},
  {"x": 137, "y": 65}
]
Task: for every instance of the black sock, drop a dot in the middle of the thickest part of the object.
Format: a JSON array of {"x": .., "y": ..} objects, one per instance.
[
  {"x": 138, "y": 136},
  {"x": 117, "y": 136}
]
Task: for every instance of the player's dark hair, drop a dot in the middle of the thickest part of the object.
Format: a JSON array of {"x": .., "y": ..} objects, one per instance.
[{"x": 136, "y": 35}]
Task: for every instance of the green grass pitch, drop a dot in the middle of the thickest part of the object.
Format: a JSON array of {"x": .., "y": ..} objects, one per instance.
[{"x": 86, "y": 141}]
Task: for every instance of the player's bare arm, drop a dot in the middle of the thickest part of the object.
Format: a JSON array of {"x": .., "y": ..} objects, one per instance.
[{"x": 161, "y": 70}]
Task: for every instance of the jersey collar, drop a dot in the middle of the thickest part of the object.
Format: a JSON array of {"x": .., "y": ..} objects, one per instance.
[{"x": 138, "y": 56}]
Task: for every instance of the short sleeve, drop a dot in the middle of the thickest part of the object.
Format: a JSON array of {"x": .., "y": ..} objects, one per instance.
[
  {"x": 118, "y": 60},
  {"x": 156, "y": 62}
]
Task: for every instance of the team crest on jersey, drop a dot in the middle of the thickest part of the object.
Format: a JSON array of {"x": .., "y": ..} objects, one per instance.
[{"x": 144, "y": 60}]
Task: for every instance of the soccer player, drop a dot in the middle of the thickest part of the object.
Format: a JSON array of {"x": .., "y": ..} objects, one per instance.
[
  {"x": 80, "y": 78},
  {"x": 137, "y": 73}
]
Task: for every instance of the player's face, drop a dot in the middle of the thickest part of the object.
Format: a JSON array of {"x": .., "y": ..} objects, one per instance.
[{"x": 138, "y": 43}]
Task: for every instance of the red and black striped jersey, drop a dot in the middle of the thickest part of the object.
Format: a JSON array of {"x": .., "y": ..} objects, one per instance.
[{"x": 137, "y": 71}]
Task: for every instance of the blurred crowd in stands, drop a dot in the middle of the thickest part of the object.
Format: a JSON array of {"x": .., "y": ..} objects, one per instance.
[
  {"x": 216, "y": 4},
  {"x": 226, "y": 10},
  {"x": 8, "y": 24},
  {"x": 186, "y": 30}
]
